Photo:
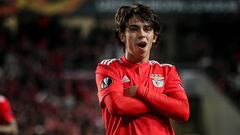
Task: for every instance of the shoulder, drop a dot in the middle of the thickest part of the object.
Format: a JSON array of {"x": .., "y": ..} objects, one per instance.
[
  {"x": 165, "y": 68},
  {"x": 110, "y": 62},
  {"x": 2, "y": 98},
  {"x": 163, "y": 65}
]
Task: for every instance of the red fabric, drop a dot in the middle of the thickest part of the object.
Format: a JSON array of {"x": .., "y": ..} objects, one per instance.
[
  {"x": 124, "y": 106},
  {"x": 6, "y": 115},
  {"x": 159, "y": 91}
]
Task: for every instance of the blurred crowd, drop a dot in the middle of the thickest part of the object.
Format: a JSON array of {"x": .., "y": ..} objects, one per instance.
[
  {"x": 213, "y": 45},
  {"x": 47, "y": 72}
]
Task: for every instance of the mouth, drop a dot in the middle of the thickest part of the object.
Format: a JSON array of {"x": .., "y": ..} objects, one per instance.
[{"x": 142, "y": 44}]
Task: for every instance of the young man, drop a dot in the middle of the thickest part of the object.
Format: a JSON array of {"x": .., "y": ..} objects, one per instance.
[
  {"x": 8, "y": 124},
  {"x": 139, "y": 96}
]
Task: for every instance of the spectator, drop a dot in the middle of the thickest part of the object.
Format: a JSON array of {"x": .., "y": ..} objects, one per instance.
[{"x": 8, "y": 123}]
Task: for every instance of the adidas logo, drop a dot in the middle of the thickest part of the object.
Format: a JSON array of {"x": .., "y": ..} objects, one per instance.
[{"x": 125, "y": 79}]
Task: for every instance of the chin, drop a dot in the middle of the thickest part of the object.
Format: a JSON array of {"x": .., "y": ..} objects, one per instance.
[{"x": 142, "y": 56}]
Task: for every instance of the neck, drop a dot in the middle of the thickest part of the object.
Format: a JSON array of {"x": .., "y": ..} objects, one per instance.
[{"x": 137, "y": 60}]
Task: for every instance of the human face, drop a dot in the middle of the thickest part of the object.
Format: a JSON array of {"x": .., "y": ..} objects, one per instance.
[{"x": 138, "y": 37}]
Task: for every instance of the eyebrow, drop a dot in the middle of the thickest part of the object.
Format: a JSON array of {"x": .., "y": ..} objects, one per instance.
[{"x": 134, "y": 25}]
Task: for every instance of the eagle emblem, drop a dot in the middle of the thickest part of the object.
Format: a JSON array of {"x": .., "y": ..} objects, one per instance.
[{"x": 157, "y": 80}]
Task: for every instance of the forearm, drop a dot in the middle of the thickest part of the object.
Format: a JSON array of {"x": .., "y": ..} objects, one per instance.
[
  {"x": 171, "y": 105},
  {"x": 125, "y": 106}
]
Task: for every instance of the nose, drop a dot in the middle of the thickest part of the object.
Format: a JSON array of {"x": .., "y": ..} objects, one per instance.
[{"x": 142, "y": 33}]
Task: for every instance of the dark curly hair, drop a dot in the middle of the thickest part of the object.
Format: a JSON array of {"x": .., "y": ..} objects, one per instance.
[{"x": 124, "y": 13}]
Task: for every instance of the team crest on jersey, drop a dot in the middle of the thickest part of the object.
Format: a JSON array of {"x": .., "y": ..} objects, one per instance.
[
  {"x": 106, "y": 82},
  {"x": 158, "y": 80}
]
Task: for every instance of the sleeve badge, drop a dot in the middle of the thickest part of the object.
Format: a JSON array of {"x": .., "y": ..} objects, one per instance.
[{"x": 106, "y": 82}]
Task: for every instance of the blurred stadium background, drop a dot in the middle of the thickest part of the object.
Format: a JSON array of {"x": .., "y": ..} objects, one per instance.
[{"x": 49, "y": 50}]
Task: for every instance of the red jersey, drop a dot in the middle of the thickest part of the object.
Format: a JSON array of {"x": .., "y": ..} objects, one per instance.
[
  {"x": 159, "y": 97},
  {"x": 6, "y": 115}
]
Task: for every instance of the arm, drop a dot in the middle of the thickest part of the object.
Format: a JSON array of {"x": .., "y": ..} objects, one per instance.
[
  {"x": 173, "y": 102},
  {"x": 9, "y": 129},
  {"x": 124, "y": 106},
  {"x": 111, "y": 95},
  {"x": 174, "y": 105}
]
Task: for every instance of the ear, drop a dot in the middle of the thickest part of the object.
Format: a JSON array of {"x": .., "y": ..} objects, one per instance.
[
  {"x": 122, "y": 37},
  {"x": 155, "y": 37}
]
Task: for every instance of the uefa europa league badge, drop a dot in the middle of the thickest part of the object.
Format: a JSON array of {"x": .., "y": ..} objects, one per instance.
[{"x": 158, "y": 80}]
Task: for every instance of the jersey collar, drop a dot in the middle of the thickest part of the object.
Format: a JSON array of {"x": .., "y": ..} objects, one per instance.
[{"x": 131, "y": 64}]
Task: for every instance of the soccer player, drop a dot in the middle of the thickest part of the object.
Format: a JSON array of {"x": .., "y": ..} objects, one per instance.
[
  {"x": 8, "y": 124},
  {"x": 139, "y": 96}
]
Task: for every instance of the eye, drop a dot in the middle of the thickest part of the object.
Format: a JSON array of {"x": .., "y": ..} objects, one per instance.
[
  {"x": 133, "y": 28},
  {"x": 148, "y": 28}
]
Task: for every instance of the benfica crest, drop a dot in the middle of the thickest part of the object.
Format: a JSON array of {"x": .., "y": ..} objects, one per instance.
[{"x": 158, "y": 80}]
